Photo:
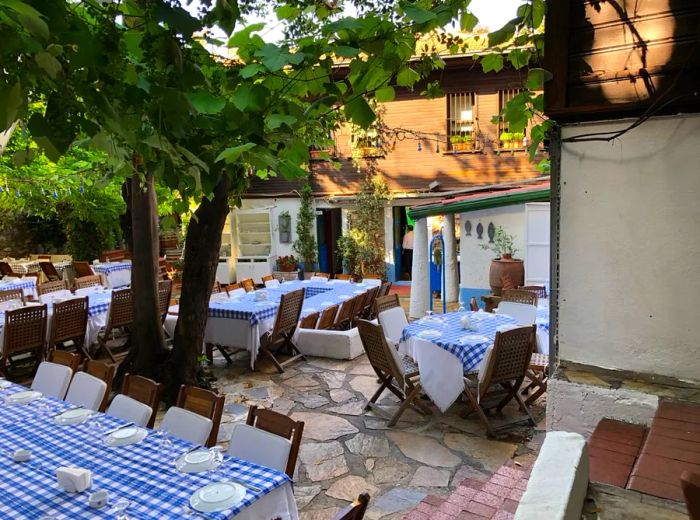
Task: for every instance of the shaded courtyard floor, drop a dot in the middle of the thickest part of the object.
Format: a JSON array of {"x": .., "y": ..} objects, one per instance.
[{"x": 346, "y": 450}]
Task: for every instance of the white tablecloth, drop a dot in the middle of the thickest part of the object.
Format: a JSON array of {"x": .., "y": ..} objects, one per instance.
[
  {"x": 27, "y": 284},
  {"x": 114, "y": 274}
]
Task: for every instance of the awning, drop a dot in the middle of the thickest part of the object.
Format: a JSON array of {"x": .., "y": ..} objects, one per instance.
[{"x": 492, "y": 197}]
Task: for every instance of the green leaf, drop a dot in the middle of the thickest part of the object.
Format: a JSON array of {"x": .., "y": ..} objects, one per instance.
[
  {"x": 48, "y": 63},
  {"x": 418, "y": 14},
  {"x": 242, "y": 37},
  {"x": 407, "y": 77},
  {"x": 29, "y": 17},
  {"x": 468, "y": 21},
  {"x": 286, "y": 12},
  {"x": 359, "y": 112},
  {"x": 178, "y": 19},
  {"x": 274, "y": 121},
  {"x": 12, "y": 100},
  {"x": 229, "y": 155},
  {"x": 385, "y": 94},
  {"x": 250, "y": 97},
  {"x": 345, "y": 51},
  {"x": 502, "y": 35},
  {"x": 492, "y": 62},
  {"x": 206, "y": 103},
  {"x": 536, "y": 78},
  {"x": 519, "y": 58},
  {"x": 538, "y": 11},
  {"x": 251, "y": 70}
]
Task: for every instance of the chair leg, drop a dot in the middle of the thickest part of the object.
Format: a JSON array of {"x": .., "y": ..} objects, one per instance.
[
  {"x": 524, "y": 407},
  {"x": 480, "y": 412},
  {"x": 539, "y": 383},
  {"x": 407, "y": 402}
]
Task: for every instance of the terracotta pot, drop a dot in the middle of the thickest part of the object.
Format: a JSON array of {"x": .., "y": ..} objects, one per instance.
[{"x": 510, "y": 266}]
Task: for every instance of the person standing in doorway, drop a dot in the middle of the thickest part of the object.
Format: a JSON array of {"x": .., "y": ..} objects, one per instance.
[{"x": 407, "y": 247}]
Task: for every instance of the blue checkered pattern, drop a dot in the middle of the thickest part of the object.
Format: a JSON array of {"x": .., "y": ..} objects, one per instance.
[
  {"x": 140, "y": 473},
  {"x": 542, "y": 319},
  {"x": 98, "y": 303},
  {"x": 111, "y": 267},
  {"x": 23, "y": 283}
]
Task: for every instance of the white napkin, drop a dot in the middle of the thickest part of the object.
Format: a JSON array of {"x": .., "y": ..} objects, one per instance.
[
  {"x": 86, "y": 291},
  {"x": 56, "y": 295},
  {"x": 271, "y": 284},
  {"x": 10, "y": 304},
  {"x": 74, "y": 480}
]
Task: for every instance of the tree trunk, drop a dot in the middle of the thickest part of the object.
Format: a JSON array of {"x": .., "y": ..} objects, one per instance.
[
  {"x": 147, "y": 341},
  {"x": 125, "y": 218},
  {"x": 202, "y": 245}
]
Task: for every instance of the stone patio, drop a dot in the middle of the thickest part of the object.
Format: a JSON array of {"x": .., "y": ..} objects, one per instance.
[{"x": 346, "y": 450}]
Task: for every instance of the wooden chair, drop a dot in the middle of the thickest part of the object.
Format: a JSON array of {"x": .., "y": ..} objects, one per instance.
[
  {"x": 397, "y": 374},
  {"x": 53, "y": 286},
  {"x": 49, "y": 271},
  {"x": 309, "y": 321},
  {"x": 343, "y": 320},
  {"x": 121, "y": 315},
  {"x": 368, "y": 305},
  {"x": 690, "y": 484},
  {"x": 540, "y": 290},
  {"x": 43, "y": 257},
  {"x": 145, "y": 391},
  {"x": 12, "y": 294},
  {"x": 82, "y": 269},
  {"x": 282, "y": 425},
  {"x": 68, "y": 359},
  {"x": 205, "y": 403},
  {"x": 384, "y": 289},
  {"x": 69, "y": 325},
  {"x": 234, "y": 286},
  {"x": 322, "y": 275},
  {"x": 519, "y": 296},
  {"x": 25, "y": 332},
  {"x": 267, "y": 278},
  {"x": 6, "y": 270},
  {"x": 344, "y": 276},
  {"x": 247, "y": 284},
  {"x": 372, "y": 276},
  {"x": 501, "y": 374},
  {"x": 473, "y": 304},
  {"x": 386, "y": 302},
  {"x": 354, "y": 511},
  {"x": 286, "y": 322},
  {"x": 165, "y": 288},
  {"x": 538, "y": 375},
  {"x": 105, "y": 372},
  {"x": 327, "y": 318},
  {"x": 358, "y": 308},
  {"x": 84, "y": 282}
]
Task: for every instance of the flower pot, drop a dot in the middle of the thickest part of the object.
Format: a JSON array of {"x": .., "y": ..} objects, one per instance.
[
  {"x": 506, "y": 265},
  {"x": 370, "y": 151},
  {"x": 284, "y": 276}
]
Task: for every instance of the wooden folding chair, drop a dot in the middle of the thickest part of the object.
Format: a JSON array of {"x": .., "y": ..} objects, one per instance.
[
  {"x": 234, "y": 286},
  {"x": 267, "y": 278},
  {"x": 165, "y": 288},
  {"x": 69, "y": 326},
  {"x": 540, "y": 290},
  {"x": 344, "y": 276},
  {"x": 121, "y": 315},
  {"x": 105, "y": 372},
  {"x": 12, "y": 294},
  {"x": 398, "y": 374},
  {"x": 309, "y": 321},
  {"x": 6, "y": 270},
  {"x": 282, "y": 425},
  {"x": 322, "y": 275},
  {"x": 327, "y": 318},
  {"x": 25, "y": 332},
  {"x": 145, "y": 391},
  {"x": 286, "y": 322},
  {"x": 538, "y": 375},
  {"x": 386, "y": 302},
  {"x": 519, "y": 296},
  {"x": 205, "y": 403},
  {"x": 82, "y": 269},
  {"x": 358, "y": 308},
  {"x": 247, "y": 284},
  {"x": 505, "y": 368},
  {"x": 67, "y": 359},
  {"x": 49, "y": 271},
  {"x": 354, "y": 511},
  {"x": 343, "y": 320},
  {"x": 84, "y": 282},
  {"x": 53, "y": 286},
  {"x": 473, "y": 304},
  {"x": 384, "y": 289},
  {"x": 368, "y": 305}
]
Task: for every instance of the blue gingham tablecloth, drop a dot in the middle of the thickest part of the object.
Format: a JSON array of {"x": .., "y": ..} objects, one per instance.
[
  {"x": 111, "y": 267},
  {"x": 140, "y": 473},
  {"x": 28, "y": 285}
]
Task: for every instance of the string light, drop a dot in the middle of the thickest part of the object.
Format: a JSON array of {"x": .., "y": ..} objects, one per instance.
[{"x": 420, "y": 147}]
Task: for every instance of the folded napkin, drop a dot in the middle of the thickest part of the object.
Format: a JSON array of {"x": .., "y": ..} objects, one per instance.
[{"x": 74, "y": 480}]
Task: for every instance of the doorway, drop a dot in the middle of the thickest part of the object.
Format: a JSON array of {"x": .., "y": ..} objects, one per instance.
[
  {"x": 328, "y": 231},
  {"x": 401, "y": 261}
]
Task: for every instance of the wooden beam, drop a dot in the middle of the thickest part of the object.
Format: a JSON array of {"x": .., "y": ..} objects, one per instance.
[{"x": 556, "y": 54}]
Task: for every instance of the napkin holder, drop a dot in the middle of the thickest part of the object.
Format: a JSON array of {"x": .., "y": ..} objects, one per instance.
[{"x": 74, "y": 480}]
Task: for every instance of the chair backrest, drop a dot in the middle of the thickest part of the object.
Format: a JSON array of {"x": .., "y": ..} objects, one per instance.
[
  {"x": 281, "y": 425},
  {"x": 69, "y": 321},
  {"x": 388, "y": 301},
  {"x": 354, "y": 511},
  {"x": 49, "y": 287},
  {"x": 205, "y": 403},
  {"x": 393, "y": 321},
  {"x": 384, "y": 289},
  {"x": 86, "y": 390},
  {"x": 67, "y": 359},
  {"x": 540, "y": 290},
  {"x": 524, "y": 313},
  {"x": 165, "y": 288},
  {"x": 187, "y": 425},
  {"x": 145, "y": 391},
  {"x": 128, "y": 409},
  {"x": 371, "y": 276},
  {"x": 383, "y": 358},
  {"x": 272, "y": 284},
  {"x": 216, "y": 288},
  {"x": 287, "y": 315},
  {"x": 309, "y": 321},
  {"x": 49, "y": 270},
  {"x": 52, "y": 379},
  {"x": 690, "y": 484},
  {"x": 104, "y": 372},
  {"x": 25, "y": 331},
  {"x": 509, "y": 358},
  {"x": 248, "y": 284},
  {"x": 473, "y": 304},
  {"x": 358, "y": 306},
  {"x": 267, "y": 278},
  {"x": 11, "y": 294},
  {"x": 121, "y": 309},
  {"x": 371, "y": 297},
  {"x": 82, "y": 269},
  {"x": 6, "y": 269},
  {"x": 236, "y": 293},
  {"x": 344, "y": 276},
  {"x": 322, "y": 275},
  {"x": 88, "y": 281},
  {"x": 345, "y": 314},
  {"x": 327, "y": 317},
  {"x": 260, "y": 447},
  {"x": 519, "y": 296},
  {"x": 234, "y": 286}
]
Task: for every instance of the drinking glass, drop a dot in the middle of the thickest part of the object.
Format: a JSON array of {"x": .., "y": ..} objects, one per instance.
[
  {"x": 461, "y": 306},
  {"x": 217, "y": 459},
  {"x": 95, "y": 429},
  {"x": 42, "y": 408},
  {"x": 119, "y": 508},
  {"x": 165, "y": 444}
]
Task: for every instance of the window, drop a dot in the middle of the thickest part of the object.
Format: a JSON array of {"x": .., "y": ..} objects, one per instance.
[
  {"x": 461, "y": 120},
  {"x": 507, "y": 138}
]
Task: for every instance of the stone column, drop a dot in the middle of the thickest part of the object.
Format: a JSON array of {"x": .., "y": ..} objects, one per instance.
[
  {"x": 420, "y": 274},
  {"x": 451, "y": 272}
]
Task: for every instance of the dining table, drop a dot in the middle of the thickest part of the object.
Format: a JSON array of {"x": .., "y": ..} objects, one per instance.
[
  {"x": 114, "y": 274},
  {"x": 141, "y": 476},
  {"x": 27, "y": 284}
]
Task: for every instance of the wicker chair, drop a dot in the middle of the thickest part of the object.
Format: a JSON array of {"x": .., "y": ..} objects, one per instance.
[
  {"x": 49, "y": 271},
  {"x": 286, "y": 322},
  {"x": 354, "y": 511},
  {"x": 69, "y": 325},
  {"x": 247, "y": 284},
  {"x": 386, "y": 302},
  {"x": 165, "y": 288},
  {"x": 145, "y": 391},
  {"x": 25, "y": 332},
  {"x": 327, "y": 318},
  {"x": 309, "y": 321},
  {"x": 473, "y": 304},
  {"x": 274, "y": 422},
  {"x": 121, "y": 315},
  {"x": 11, "y": 294},
  {"x": 205, "y": 403},
  {"x": 391, "y": 368},
  {"x": 53, "y": 286},
  {"x": 105, "y": 372},
  {"x": 343, "y": 320},
  {"x": 501, "y": 375},
  {"x": 84, "y": 282},
  {"x": 82, "y": 269},
  {"x": 519, "y": 296},
  {"x": 540, "y": 290},
  {"x": 67, "y": 359}
]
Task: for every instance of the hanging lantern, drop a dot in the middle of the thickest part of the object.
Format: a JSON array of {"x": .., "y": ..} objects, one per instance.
[
  {"x": 82, "y": 189},
  {"x": 55, "y": 194},
  {"x": 17, "y": 193},
  {"x": 420, "y": 147}
]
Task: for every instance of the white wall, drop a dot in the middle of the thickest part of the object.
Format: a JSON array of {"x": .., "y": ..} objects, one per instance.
[
  {"x": 630, "y": 248},
  {"x": 278, "y": 206}
]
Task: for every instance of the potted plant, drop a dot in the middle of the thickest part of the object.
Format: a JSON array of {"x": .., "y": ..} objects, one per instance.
[
  {"x": 461, "y": 143},
  {"x": 319, "y": 154},
  {"x": 504, "y": 264},
  {"x": 517, "y": 139},
  {"x": 286, "y": 264},
  {"x": 506, "y": 138},
  {"x": 305, "y": 244}
]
